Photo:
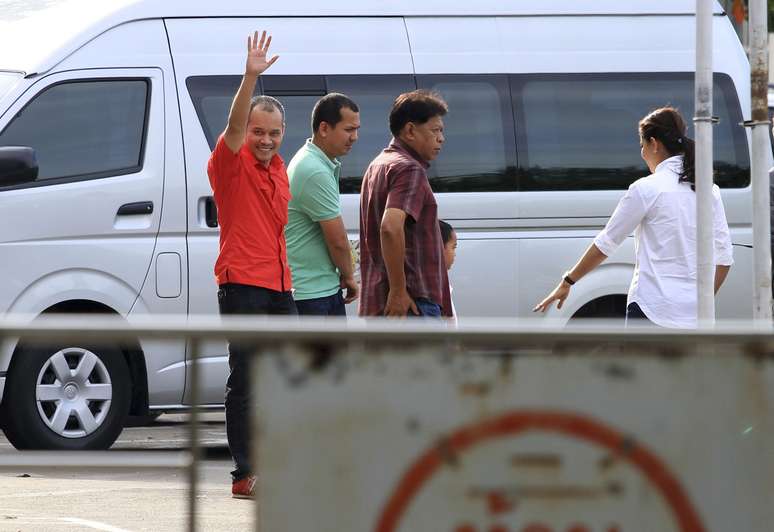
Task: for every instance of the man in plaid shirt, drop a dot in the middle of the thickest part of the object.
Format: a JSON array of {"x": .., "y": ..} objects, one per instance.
[{"x": 401, "y": 250}]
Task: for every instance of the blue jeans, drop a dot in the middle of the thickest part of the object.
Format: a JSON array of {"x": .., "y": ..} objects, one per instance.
[
  {"x": 332, "y": 305},
  {"x": 239, "y": 299},
  {"x": 426, "y": 308}
]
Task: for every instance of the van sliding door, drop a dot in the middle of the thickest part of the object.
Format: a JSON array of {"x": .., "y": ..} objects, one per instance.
[{"x": 475, "y": 184}]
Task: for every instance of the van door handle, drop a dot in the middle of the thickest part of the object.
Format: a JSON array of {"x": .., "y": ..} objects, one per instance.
[
  {"x": 138, "y": 207},
  {"x": 210, "y": 212}
]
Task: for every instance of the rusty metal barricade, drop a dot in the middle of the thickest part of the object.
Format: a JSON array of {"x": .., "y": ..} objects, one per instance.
[{"x": 489, "y": 427}]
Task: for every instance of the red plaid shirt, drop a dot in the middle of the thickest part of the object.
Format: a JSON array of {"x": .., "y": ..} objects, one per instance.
[{"x": 397, "y": 179}]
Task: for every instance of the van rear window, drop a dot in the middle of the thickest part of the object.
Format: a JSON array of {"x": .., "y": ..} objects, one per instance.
[{"x": 579, "y": 132}]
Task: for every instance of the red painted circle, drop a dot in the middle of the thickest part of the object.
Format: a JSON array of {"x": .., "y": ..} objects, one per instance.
[{"x": 569, "y": 424}]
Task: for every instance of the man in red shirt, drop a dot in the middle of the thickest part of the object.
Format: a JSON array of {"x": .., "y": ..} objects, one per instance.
[
  {"x": 401, "y": 250},
  {"x": 251, "y": 193}
]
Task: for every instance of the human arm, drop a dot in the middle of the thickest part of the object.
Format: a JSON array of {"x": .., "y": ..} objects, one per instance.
[
  {"x": 721, "y": 272},
  {"x": 592, "y": 258},
  {"x": 316, "y": 194},
  {"x": 335, "y": 235},
  {"x": 724, "y": 255},
  {"x": 393, "y": 241},
  {"x": 255, "y": 65},
  {"x": 627, "y": 216}
]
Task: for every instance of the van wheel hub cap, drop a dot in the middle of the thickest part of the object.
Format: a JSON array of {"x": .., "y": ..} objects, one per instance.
[
  {"x": 70, "y": 391},
  {"x": 73, "y": 392}
]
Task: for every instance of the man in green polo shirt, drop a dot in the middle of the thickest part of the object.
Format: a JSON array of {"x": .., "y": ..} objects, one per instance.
[{"x": 317, "y": 243}]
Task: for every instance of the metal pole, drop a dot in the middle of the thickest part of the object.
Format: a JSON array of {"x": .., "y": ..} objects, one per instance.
[
  {"x": 705, "y": 267},
  {"x": 255, "y": 428},
  {"x": 759, "y": 171},
  {"x": 193, "y": 425}
]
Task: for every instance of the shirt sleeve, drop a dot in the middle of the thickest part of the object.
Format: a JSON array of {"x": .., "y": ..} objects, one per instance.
[
  {"x": 627, "y": 216},
  {"x": 319, "y": 198},
  {"x": 405, "y": 191},
  {"x": 223, "y": 165},
  {"x": 724, "y": 254}
]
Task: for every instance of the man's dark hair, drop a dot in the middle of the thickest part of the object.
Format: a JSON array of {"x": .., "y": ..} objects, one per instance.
[
  {"x": 446, "y": 231},
  {"x": 267, "y": 103},
  {"x": 328, "y": 109},
  {"x": 417, "y": 107}
]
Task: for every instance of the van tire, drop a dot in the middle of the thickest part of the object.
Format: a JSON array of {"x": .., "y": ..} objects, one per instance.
[
  {"x": 609, "y": 307},
  {"x": 86, "y": 411}
]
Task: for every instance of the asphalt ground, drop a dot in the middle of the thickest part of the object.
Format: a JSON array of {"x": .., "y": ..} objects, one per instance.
[{"x": 90, "y": 499}]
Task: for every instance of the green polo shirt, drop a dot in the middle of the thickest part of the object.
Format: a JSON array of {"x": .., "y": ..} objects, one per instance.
[{"x": 314, "y": 185}]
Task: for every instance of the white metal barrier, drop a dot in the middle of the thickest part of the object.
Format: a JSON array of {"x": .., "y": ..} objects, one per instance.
[{"x": 491, "y": 427}]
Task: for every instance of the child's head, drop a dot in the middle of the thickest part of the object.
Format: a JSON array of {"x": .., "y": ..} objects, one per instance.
[{"x": 449, "y": 243}]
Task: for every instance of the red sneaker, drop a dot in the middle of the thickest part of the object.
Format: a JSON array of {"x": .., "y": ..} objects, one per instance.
[{"x": 244, "y": 488}]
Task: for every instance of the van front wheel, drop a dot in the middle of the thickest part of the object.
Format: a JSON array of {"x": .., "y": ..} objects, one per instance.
[{"x": 66, "y": 397}]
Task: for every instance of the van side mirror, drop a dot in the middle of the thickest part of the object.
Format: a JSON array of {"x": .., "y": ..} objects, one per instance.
[{"x": 18, "y": 165}]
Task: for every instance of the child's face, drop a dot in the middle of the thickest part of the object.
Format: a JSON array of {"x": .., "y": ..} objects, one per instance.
[{"x": 450, "y": 250}]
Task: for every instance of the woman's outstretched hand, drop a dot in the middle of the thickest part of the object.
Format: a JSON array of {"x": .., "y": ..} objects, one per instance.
[{"x": 559, "y": 294}]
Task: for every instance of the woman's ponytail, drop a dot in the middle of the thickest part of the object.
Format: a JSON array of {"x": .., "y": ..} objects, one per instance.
[
  {"x": 667, "y": 125},
  {"x": 688, "y": 174}
]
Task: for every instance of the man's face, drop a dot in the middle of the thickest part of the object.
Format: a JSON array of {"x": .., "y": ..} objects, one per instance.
[
  {"x": 264, "y": 133},
  {"x": 340, "y": 139},
  {"x": 426, "y": 139}
]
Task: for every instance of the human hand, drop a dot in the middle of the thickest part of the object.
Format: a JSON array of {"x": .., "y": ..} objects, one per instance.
[
  {"x": 559, "y": 293},
  {"x": 257, "y": 52},
  {"x": 398, "y": 304},
  {"x": 352, "y": 289}
]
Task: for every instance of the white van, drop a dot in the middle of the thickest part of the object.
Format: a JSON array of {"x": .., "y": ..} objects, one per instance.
[{"x": 122, "y": 102}]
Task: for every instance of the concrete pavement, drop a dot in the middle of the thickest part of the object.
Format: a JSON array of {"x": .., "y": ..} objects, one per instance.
[{"x": 142, "y": 500}]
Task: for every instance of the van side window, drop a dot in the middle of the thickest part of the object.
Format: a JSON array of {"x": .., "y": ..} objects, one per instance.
[
  {"x": 84, "y": 129},
  {"x": 374, "y": 96},
  {"x": 478, "y": 154},
  {"x": 579, "y": 131},
  {"x": 298, "y": 122},
  {"x": 298, "y": 95},
  {"x": 212, "y": 97}
]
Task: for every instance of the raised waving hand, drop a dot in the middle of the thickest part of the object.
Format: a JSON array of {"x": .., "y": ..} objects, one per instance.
[
  {"x": 257, "y": 53},
  {"x": 255, "y": 65}
]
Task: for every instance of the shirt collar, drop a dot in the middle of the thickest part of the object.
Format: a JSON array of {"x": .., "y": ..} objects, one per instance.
[
  {"x": 311, "y": 147},
  {"x": 673, "y": 163},
  {"x": 399, "y": 146}
]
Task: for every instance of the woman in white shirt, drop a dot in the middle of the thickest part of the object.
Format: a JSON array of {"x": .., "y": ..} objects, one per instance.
[{"x": 661, "y": 210}]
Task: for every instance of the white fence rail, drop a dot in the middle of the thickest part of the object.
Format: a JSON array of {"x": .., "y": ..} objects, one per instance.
[{"x": 491, "y": 427}]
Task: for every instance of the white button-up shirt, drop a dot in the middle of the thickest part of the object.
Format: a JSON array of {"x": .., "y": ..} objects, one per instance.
[{"x": 662, "y": 213}]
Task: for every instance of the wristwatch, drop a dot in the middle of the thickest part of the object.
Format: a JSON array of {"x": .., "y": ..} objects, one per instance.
[{"x": 567, "y": 279}]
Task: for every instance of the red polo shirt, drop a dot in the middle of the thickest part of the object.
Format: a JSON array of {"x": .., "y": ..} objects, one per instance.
[{"x": 252, "y": 206}]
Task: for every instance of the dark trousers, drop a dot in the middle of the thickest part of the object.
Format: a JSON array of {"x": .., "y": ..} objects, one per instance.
[
  {"x": 332, "y": 305},
  {"x": 635, "y": 317},
  {"x": 239, "y": 299}
]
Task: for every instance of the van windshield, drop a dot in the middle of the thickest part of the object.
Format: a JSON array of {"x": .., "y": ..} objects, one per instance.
[{"x": 7, "y": 81}]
